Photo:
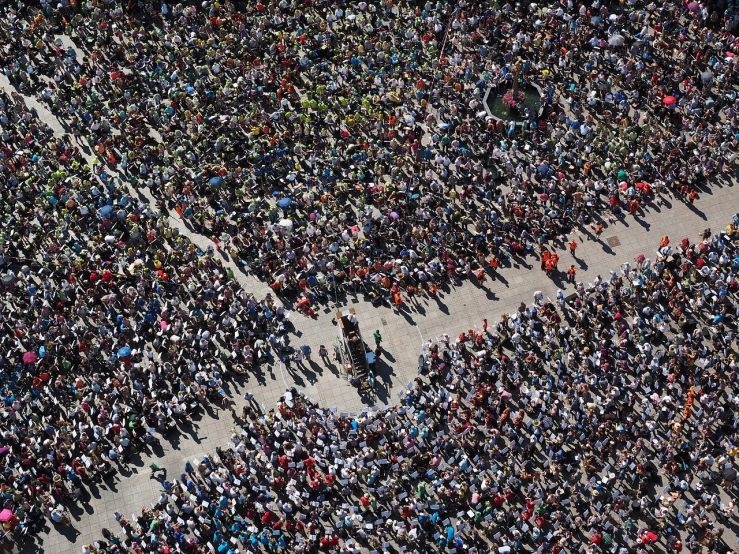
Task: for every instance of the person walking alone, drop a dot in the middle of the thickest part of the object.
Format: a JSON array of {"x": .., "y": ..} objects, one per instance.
[{"x": 378, "y": 338}]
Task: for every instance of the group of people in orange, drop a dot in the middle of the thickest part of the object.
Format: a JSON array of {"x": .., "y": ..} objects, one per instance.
[{"x": 549, "y": 261}]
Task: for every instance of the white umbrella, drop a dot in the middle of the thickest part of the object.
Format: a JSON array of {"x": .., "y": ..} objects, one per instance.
[{"x": 616, "y": 40}]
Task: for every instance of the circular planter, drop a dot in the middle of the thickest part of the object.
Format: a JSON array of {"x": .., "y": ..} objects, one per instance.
[{"x": 495, "y": 109}]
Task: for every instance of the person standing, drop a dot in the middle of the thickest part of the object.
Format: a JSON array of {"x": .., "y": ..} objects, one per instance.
[
  {"x": 378, "y": 338},
  {"x": 156, "y": 469},
  {"x": 323, "y": 354},
  {"x": 249, "y": 397},
  {"x": 545, "y": 256},
  {"x": 306, "y": 350}
]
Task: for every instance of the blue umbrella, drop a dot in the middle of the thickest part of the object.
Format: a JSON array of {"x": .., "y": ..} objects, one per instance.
[
  {"x": 216, "y": 181},
  {"x": 596, "y": 20},
  {"x": 105, "y": 210},
  {"x": 284, "y": 202},
  {"x": 124, "y": 352}
]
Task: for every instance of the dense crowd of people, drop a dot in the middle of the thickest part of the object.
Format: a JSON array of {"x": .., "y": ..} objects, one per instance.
[
  {"x": 602, "y": 422},
  {"x": 345, "y": 145},
  {"x": 328, "y": 144},
  {"x": 114, "y": 326}
]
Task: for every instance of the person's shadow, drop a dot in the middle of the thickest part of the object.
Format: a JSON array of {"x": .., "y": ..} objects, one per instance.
[
  {"x": 69, "y": 532},
  {"x": 315, "y": 366},
  {"x": 331, "y": 366},
  {"x": 497, "y": 276},
  {"x": 558, "y": 278},
  {"x": 489, "y": 294},
  {"x": 696, "y": 211},
  {"x": 643, "y": 223},
  {"x": 441, "y": 306},
  {"x": 308, "y": 372}
]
